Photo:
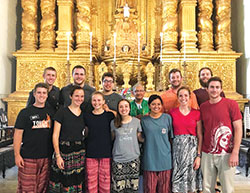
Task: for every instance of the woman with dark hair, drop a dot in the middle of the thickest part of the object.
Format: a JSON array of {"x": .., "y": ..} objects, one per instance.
[
  {"x": 67, "y": 173},
  {"x": 186, "y": 145},
  {"x": 157, "y": 128},
  {"x": 126, "y": 131}
]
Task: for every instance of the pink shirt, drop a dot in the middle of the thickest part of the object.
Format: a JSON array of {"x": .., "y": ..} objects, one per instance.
[{"x": 185, "y": 124}]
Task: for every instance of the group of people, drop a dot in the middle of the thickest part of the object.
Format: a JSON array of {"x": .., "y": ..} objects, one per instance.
[{"x": 77, "y": 139}]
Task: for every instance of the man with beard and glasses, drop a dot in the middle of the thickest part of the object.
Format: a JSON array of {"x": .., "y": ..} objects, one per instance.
[
  {"x": 169, "y": 97},
  {"x": 79, "y": 77},
  {"x": 205, "y": 74}
]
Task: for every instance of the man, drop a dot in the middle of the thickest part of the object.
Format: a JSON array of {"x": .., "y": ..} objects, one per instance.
[
  {"x": 111, "y": 98},
  {"x": 49, "y": 76},
  {"x": 222, "y": 129},
  {"x": 33, "y": 143},
  {"x": 169, "y": 97},
  {"x": 201, "y": 94},
  {"x": 139, "y": 106},
  {"x": 79, "y": 77}
]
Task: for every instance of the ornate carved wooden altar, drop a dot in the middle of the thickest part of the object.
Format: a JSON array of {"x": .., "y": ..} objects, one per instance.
[{"x": 204, "y": 23}]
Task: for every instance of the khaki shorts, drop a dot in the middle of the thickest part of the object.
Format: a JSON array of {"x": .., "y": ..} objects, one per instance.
[{"x": 213, "y": 165}]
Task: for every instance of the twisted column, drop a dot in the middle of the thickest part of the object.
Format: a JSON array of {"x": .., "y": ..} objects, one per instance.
[
  {"x": 223, "y": 30},
  {"x": 205, "y": 25},
  {"x": 29, "y": 25},
  {"x": 48, "y": 23},
  {"x": 83, "y": 25},
  {"x": 169, "y": 27}
]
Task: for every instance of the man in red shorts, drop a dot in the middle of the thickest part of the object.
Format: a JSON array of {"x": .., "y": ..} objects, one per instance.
[{"x": 33, "y": 143}]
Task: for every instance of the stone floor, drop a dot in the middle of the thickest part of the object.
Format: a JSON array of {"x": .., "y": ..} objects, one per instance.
[{"x": 9, "y": 184}]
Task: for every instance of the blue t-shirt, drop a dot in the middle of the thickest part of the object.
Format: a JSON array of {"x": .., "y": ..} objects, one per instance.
[{"x": 157, "y": 148}]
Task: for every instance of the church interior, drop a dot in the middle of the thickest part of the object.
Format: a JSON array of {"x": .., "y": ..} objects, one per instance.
[{"x": 136, "y": 40}]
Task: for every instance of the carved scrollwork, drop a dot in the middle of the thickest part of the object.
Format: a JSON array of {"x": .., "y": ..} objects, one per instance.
[
  {"x": 29, "y": 73},
  {"x": 13, "y": 109},
  {"x": 121, "y": 3},
  {"x": 224, "y": 70},
  {"x": 191, "y": 74}
]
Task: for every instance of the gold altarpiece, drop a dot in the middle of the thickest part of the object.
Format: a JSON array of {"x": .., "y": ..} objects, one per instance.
[{"x": 197, "y": 31}]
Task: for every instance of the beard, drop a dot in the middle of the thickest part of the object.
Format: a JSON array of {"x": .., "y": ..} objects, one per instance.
[
  {"x": 203, "y": 84},
  {"x": 79, "y": 84},
  {"x": 176, "y": 86}
]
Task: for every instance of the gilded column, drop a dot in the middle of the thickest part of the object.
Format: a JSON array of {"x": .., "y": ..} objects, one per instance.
[
  {"x": 169, "y": 25},
  {"x": 187, "y": 24},
  {"x": 29, "y": 25},
  {"x": 205, "y": 25},
  {"x": 94, "y": 27},
  {"x": 83, "y": 25},
  {"x": 48, "y": 23},
  {"x": 65, "y": 23},
  {"x": 223, "y": 28}
]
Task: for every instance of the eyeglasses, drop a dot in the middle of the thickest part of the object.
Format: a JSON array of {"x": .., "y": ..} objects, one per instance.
[{"x": 108, "y": 81}]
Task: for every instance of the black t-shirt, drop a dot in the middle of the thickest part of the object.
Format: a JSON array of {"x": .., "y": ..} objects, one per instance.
[
  {"x": 64, "y": 98},
  {"x": 37, "y": 136},
  {"x": 71, "y": 125},
  {"x": 52, "y": 100},
  {"x": 99, "y": 144}
]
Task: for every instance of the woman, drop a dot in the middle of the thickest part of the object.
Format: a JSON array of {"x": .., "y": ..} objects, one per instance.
[
  {"x": 67, "y": 173},
  {"x": 126, "y": 163},
  {"x": 157, "y": 128},
  {"x": 186, "y": 145},
  {"x": 98, "y": 146}
]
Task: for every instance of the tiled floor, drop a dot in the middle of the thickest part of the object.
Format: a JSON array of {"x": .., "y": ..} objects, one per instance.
[{"x": 9, "y": 184}]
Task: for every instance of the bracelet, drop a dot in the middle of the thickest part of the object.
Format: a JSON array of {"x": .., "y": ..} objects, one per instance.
[
  {"x": 58, "y": 155},
  {"x": 198, "y": 155}
]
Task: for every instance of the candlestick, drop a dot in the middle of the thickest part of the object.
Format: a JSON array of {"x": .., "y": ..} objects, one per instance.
[
  {"x": 161, "y": 35},
  {"x": 114, "y": 47},
  {"x": 90, "y": 46},
  {"x": 139, "y": 49},
  {"x": 68, "y": 35}
]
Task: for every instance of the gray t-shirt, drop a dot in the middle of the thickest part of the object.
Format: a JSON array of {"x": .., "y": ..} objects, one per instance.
[
  {"x": 126, "y": 147},
  {"x": 112, "y": 100}
]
